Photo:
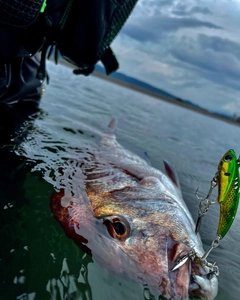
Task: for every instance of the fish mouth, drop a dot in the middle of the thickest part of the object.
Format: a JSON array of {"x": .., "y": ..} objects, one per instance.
[
  {"x": 186, "y": 285},
  {"x": 191, "y": 280},
  {"x": 179, "y": 283},
  {"x": 204, "y": 286}
]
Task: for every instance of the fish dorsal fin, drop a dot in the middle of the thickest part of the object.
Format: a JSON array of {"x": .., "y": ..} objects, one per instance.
[
  {"x": 110, "y": 130},
  {"x": 172, "y": 174},
  {"x": 112, "y": 125},
  {"x": 108, "y": 137}
]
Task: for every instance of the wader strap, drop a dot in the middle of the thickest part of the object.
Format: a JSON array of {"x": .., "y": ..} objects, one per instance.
[{"x": 109, "y": 61}]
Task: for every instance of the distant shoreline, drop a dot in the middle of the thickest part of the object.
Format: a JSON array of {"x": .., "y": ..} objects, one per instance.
[{"x": 157, "y": 96}]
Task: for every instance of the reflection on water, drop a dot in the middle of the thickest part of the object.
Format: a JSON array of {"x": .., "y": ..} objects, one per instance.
[
  {"x": 37, "y": 260},
  {"x": 69, "y": 285}
]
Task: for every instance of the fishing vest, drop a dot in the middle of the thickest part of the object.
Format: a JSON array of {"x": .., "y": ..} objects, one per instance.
[{"x": 79, "y": 31}]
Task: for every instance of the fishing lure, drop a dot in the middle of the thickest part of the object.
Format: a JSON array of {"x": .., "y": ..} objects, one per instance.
[
  {"x": 204, "y": 203},
  {"x": 228, "y": 181},
  {"x": 227, "y": 178},
  {"x": 183, "y": 259}
]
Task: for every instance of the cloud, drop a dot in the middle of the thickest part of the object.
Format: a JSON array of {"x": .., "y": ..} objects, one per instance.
[
  {"x": 208, "y": 60},
  {"x": 183, "y": 10},
  {"x": 219, "y": 44},
  {"x": 140, "y": 61},
  {"x": 141, "y": 34},
  {"x": 206, "y": 87},
  {"x": 158, "y": 5},
  {"x": 200, "y": 10},
  {"x": 156, "y": 27},
  {"x": 191, "y": 50},
  {"x": 204, "y": 59}
]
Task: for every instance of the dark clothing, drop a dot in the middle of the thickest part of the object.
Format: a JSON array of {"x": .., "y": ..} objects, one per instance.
[
  {"x": 18, "y": 82},
  {"x": 78, "y": 31},
  {"x": 20, "y": 93}
]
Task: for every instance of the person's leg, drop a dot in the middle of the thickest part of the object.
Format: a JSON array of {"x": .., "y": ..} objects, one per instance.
[{"x": 20, "y": 94}]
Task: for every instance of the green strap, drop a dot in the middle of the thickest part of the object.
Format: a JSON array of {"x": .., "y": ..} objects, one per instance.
[{"x": 43, "y": 6}]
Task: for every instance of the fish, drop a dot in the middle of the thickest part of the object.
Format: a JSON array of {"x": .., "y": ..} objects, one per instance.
[
  {"x": 228, "y": 181},
  {"x": 132, "y": 219}
]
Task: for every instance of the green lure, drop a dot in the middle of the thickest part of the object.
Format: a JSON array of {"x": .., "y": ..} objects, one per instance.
[{"x": 228, "y": 181}]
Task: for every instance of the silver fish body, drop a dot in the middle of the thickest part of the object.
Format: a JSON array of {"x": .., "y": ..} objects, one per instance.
[{"x": 132, "y": 219}]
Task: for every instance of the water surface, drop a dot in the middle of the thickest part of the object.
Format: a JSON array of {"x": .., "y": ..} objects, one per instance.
[{"x": 37, "y": 260}]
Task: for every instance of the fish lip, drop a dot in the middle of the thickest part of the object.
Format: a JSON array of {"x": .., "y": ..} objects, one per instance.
[
  {"x": 185, "y": 284},
  {"x": 203, "y": 282},
  {"x": 175, "y": 285},
  {"x": 191, "y": 279},
  {"x": 204, "y": 287},
  {"x": 180, "y": 280}
]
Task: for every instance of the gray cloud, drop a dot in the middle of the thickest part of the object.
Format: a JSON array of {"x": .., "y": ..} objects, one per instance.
[
  {"x": 201, "y": 10},
  {"x": 173, "y": 24},
  {"x": 219, "y": 44},
  {"x": 154, "y": 28},
  {"x": 183, "y": 10},
  {"x": 158, "y": 3},
  {"x": 200, "y": 67},
  {"x": 222, "y": 68},
  {"x": 141, "y": 34},
  {"x": 166, "y": 2},
  {"x": 209, "y": 61}
]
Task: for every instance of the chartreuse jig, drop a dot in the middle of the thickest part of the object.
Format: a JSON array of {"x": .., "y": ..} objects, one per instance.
[
  {"x": 228, "y": 190},
  {"x": 227, "y": 179}
]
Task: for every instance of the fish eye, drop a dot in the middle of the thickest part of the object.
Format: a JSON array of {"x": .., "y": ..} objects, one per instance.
[
  {"x": 118, "y": 227},
  {"x": 228, "y": 157}
]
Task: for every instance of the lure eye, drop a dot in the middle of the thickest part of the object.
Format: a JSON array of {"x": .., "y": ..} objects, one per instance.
[
  {"x": 228, "y": 157},
  {"x": 118, "y": 227}
]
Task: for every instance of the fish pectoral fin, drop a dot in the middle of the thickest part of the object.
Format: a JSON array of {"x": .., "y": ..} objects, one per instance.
[{"x": 171, "y": 172}]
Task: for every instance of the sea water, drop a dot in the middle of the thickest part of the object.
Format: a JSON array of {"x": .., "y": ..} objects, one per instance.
[{"x": 37, "y": 260}]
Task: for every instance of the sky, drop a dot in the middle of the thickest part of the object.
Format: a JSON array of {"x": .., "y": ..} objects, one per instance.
[{"x": 189, "y": 48}]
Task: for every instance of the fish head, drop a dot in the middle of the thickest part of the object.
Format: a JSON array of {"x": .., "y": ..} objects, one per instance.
[
  {"x": 138, "y": 237},
  {"x": 132, "y": 219}
]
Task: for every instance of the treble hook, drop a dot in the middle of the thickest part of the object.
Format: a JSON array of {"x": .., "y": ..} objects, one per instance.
[
  {"x": 183, "y": 259},
  {"x": 214, "y": 183},
  {"x": 205, "y": 203},
  {"x": 214, "y": 245}
]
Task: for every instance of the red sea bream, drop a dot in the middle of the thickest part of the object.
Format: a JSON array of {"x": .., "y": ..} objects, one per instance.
[{"x": 132, "y": 219}]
